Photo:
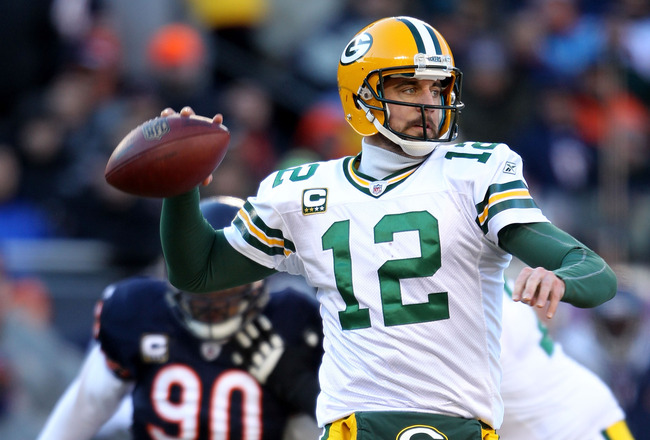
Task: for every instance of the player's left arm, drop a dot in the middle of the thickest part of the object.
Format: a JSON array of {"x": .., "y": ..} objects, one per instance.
[
  {"x": 88, "y": 402},
  {"x": 561, "y": 268}
]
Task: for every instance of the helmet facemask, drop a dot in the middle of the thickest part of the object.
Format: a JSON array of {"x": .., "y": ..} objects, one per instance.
[
  {"x": 372, "y": 100},
  {"x": 217, "y": 316}
]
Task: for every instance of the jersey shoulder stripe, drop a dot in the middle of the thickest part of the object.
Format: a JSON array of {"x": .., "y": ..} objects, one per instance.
[
  {"x": 262, "y": 237},
  {"x": 500, "y": 197}
]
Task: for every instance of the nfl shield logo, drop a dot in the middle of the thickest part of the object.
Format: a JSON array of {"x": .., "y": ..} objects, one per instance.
[
  {"x": 210, "y": 350},
  {"x": 155, "y": 129},
  {"x": 377, "y": 188}
]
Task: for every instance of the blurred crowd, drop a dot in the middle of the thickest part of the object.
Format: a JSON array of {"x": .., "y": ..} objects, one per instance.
[{"x": 566, "y": 83}]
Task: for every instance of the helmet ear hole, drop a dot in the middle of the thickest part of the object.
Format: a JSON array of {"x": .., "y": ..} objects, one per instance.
[{"x": 365, "y": 93}]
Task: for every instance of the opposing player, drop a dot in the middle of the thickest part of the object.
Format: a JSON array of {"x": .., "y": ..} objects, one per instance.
[
  {"x": 546, "y": 393},
  {"x": 181, "y": 356},
  {"x": 406, "y": 244}
]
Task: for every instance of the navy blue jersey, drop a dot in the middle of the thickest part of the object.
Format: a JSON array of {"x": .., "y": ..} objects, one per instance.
[{"x": 187, "y": 388}]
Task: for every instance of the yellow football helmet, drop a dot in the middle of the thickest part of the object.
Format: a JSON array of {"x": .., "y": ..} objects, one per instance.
[{"x": 398, "y": 46}]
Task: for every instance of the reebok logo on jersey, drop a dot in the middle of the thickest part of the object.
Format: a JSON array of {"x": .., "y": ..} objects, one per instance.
[
  {"x": 154, "y": 348},
  {"x": 510, "y": 168},
  {"x": 314, "y": 201}
]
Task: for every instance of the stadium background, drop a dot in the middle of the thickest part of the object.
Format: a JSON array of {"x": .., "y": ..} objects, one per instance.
[{"x": 566, "y": 83}]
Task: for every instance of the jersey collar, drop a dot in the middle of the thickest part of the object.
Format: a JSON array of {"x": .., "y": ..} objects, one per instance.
[{"x": 370, "y": 186}]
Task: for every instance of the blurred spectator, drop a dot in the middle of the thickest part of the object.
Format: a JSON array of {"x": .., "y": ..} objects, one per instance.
[
  {"x": 573, "y": 40},
  {"x": 556, "y": 157},
  {"x": 46, "y": 163},
  {"x": 19, "y": 218},
  {"x": 101, "y": 212},
  {"x": 523, "y": 35},
  {"x": 323, "y": 130},
  {"x": 232, "y": 27},
  {"x": 561, "y": 169},
  {"x": 316, "y": 58},
  {"x": 632, "y": 33},
  {"x": 179, "y": 65},
  {"x": 30, "y": 53},
  {"x": 614, "y": 121},
  {"x": 233, "y": 177},
  {"x": 135, "y": 22},
  {"x": 638, "y": 413},
  {"x": 255, "y": 138},
  {"x": 84, "y": 104},
  {"x": 308, "y": 18},
  {"x": 612, "y": 341},
  {"x": 608, "y": 116},
  {"x": 40, "y": 363},
  {"x": 494, "y": 102}
]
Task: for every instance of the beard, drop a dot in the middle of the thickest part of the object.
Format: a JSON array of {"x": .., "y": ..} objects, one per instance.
[{"x": 415, "y": 128}]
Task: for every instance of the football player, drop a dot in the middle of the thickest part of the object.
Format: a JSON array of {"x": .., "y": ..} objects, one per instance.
[
  {"x": 406, "y": 243},
  {"x": 546, "y": 393},
  {"x": 181, "y": 356}
]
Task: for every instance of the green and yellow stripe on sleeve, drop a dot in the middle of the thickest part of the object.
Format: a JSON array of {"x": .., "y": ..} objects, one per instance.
[
  {"x": 500, "y": 197},
  {"x": 262, "y": 237}
]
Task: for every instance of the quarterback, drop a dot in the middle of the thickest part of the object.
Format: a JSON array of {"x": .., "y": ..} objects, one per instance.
[{"x": 406, "y": 244}]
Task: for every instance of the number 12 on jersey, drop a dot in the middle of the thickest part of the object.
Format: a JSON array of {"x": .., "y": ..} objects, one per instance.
[{"x": 337, "y": 239}]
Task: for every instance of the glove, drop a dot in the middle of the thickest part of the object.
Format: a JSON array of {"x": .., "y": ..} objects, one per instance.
[
  {"x": 259, "y": 348},
  {"x": 288, "y": 371}
]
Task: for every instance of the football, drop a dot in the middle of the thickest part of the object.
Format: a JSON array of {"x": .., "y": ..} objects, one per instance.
[{"x": 167, "y": 156}]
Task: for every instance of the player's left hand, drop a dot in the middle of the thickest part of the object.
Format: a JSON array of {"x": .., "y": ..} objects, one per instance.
[
  {"x": 259, "y": 348},
  {"x": 539, "y": 288}
]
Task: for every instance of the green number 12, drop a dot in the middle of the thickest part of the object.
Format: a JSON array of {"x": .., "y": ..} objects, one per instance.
[{"x": 337, "y": 239}]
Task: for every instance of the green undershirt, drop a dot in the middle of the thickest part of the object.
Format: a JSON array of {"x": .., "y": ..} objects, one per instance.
[{"x": 209, "y": 263}]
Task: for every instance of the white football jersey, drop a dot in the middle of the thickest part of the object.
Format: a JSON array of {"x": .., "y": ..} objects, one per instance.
[
  {"x": 546, "y": 393},
  {"x": 408, "y": 272}
]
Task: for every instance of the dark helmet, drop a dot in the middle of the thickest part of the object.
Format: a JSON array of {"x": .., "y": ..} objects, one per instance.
[{"x": 219, "y": 315}]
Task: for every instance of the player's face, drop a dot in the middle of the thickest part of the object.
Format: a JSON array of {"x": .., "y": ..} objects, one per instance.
[
  {"x": 216, "y": 307},
  {"x": 408, "y": 119}
]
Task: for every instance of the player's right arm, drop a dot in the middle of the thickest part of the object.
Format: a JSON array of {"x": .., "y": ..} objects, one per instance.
[
  {"x": 88, "y": 402},
  {"x": 198, "y": 258}
]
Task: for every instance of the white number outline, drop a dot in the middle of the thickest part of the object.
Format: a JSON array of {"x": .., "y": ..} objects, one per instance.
[{"x": 186, "y": 413}]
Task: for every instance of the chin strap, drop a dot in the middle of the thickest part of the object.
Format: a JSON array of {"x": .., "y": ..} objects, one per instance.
[{"x": 412, "y": 148}]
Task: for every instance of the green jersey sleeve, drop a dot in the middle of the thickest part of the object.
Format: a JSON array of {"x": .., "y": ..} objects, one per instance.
[
  {"x": 198, "y": 258},
  {"x": 588, "y": 278}
]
